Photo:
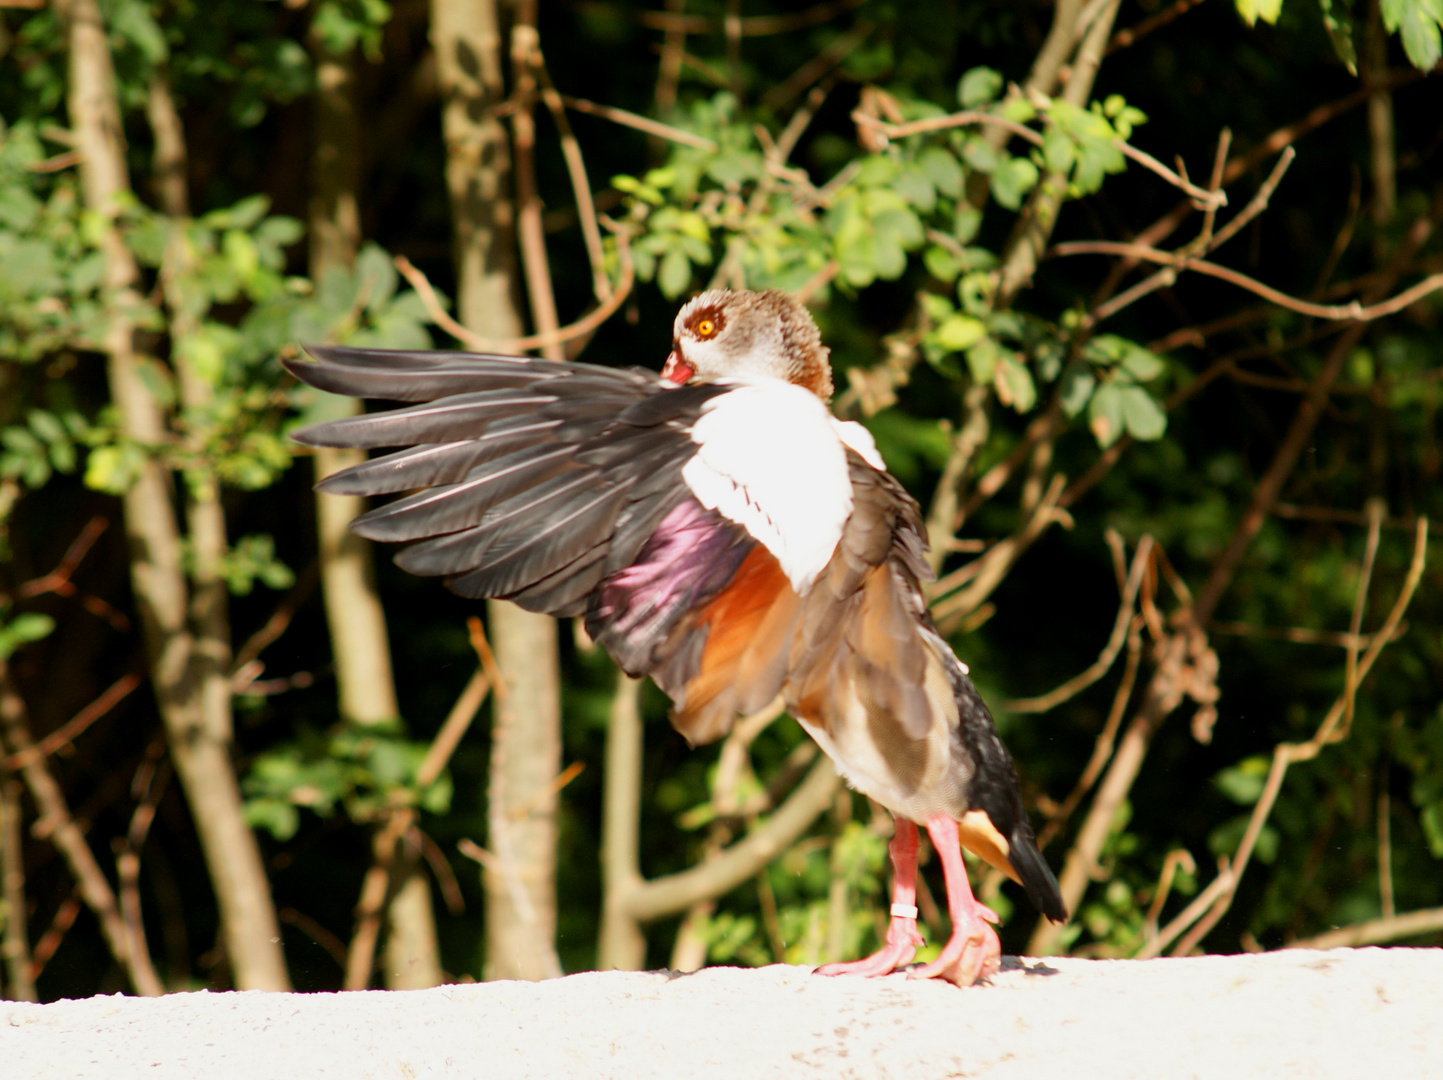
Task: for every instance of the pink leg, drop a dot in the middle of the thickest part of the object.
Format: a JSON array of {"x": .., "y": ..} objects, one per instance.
[
  {"x": 973, "y": 951},
  {"x": 902, "y": 936}
]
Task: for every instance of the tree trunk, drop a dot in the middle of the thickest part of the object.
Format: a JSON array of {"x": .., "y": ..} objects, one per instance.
[
  {"x": 413, "y": 958},
  {"x": 361, "y": 651},
  {"x": 183, "y": 662},
  {"x": 526, "y": 741},
  {"x": 622, "y": 945}
]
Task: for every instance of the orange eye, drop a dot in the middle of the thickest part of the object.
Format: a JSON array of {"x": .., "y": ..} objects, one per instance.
[{"x": 705, "y": 328}]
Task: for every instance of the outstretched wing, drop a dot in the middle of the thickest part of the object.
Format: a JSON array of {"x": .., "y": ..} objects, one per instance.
[
  {"x": 674, "y": 518},
  {"x": 537, "y": 479}
]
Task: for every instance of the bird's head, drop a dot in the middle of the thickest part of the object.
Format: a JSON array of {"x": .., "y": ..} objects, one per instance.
[{"x": 726, "y": 332}]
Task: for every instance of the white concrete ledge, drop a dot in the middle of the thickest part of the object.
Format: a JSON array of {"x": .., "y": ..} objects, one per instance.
[{"x": 1345, "y": 1013}]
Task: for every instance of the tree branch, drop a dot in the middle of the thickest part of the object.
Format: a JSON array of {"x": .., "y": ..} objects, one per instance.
[
  {"x": 1376, "y": 931},
  {"x": 1355, "y": 311},
  {"x": 580, "y": 328},
  {"x": 639, "y": 123},
  {"x": 57, "y": 825},
  {"x": 744, "y": 859}
]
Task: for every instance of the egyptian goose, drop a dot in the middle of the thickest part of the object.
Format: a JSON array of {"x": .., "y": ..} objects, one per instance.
[{"x": 721, "y": 532}]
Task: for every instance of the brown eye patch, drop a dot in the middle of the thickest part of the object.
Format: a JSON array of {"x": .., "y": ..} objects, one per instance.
[{"x": 706, "y": 323}]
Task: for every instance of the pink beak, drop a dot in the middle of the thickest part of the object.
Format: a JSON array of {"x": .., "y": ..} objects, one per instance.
[{"x": 676, "y": 369}]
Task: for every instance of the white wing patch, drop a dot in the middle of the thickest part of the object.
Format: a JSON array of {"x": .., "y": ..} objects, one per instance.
[
  {"x": 859, "y": 439},
  {"x": 769, "y": 458}
]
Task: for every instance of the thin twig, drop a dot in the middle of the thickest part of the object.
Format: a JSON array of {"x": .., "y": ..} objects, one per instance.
[
  {"x": 67, "y": 732},
  {"x": 334, "y": 946},
  {"x": 1106, "y": 740},
  {"x": 530, "y": 232},
  {"x": 1205, "y": 198},
  {"x": 375, "y": 890},
  {"x": 1299, "y": 634},
  {"x": 541, "y": 795},
  {"x": 1103, "y": 663},
  {"x": 1206, "y": 240},
  {"x": 280, "y": 619},
  {"x": 966, "y": 118},
  {"x": 441, "y": 871},
  {"x": 818, "y": 66},
  {"x": 580, "y": 328},
  {"x": 1377, "y": 931},
  {"x": 59, "y": 582},
  {"x": 148, "y": 786},
  {"x": 1129, "y": 36},
  {"x": 1178, "y": 858},
  {"x": 987, "y": 571},
  {"x": 580, "y": 185},
  {"x": 1355, "y": 311},
  {"x": 457, "y": 722},
  {"x": 69, "y": 562},
  {"x": 640, "y": 123},
  {"x": 817, "y": 282},
  {"x": 60, "y": 924},
  {"x": 748, "y": 26},
  {"x": 1347, "y": 517},
  {"x": 16, "y": 945},
  {"x": 1257, "y": 204},
  {"x": 1215, "y": 183},
  {"x": 942, "y": 515}
]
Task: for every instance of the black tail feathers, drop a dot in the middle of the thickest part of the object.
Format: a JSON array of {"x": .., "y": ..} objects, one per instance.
[{"x": 1036, "y": 875}]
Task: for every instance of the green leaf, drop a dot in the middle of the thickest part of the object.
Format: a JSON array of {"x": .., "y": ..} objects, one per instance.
[
  {"x": 1142, "y": 365},
  {"x": 958, "y": 332},
  {"x": 1338, "y": 21},
  {"x": 113, "y": 469},
  {"x": 1013, "y": 181},
  {"x": 980, "y": 155},
  {"x": 1077, "y": 387},
  {"x": 376, "y": 277},
  {"x": 1014, "y": 385},
  {"x": 1058, "y": 151},
  {"x": 1104, "y": 414},
  {"x": 1253, "y": 10},
  {"x": 916, "y": 187},
  {"x": 31, "y": 626},
  {"x": 982, "y": 360},
  {"x": 943, "y": 170},
  {"x": 1142, "y": 414},
  {"x": 966, "y": 222},
  {"x": 1107, "y": 349},
  {"x": 243, "y": 215},
  {"x": 978, "y": 86},
  {"x": 1243, "y": 783},
  {"x": 276, "y": 816},
  {"x": 1418, "y": 23},
  {"x": 132, "y": 21},
  {"x": 941, "y": 264},
  {"x": 673, "y": 276}
]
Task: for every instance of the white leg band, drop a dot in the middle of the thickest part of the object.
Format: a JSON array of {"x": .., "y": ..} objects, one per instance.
[{"x": 904, "y": 911}]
